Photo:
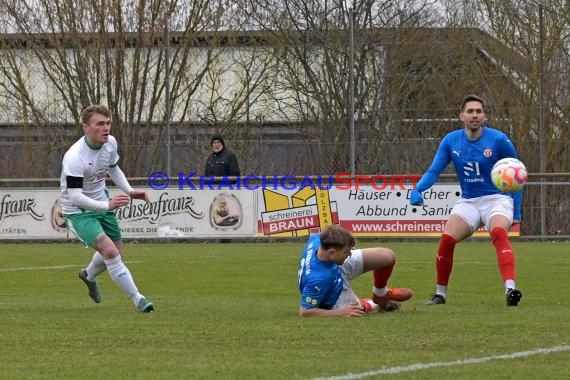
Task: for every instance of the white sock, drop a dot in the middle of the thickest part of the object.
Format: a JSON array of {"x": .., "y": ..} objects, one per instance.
[
  {"x": 380, "y": 292},
  {"x": 96, "y": 266},
  {"x": 441, "y": 290},
  {"x": 121, "y": 276},
  {"x": 370, "y": 306},
  {"x": 509, "y": 284}
]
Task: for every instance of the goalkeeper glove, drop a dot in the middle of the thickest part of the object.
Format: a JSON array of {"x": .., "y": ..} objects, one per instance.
[{"x": 416, "y": 198}]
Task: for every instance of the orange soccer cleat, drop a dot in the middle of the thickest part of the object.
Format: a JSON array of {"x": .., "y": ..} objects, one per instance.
[{"x": 394, "y": 294}]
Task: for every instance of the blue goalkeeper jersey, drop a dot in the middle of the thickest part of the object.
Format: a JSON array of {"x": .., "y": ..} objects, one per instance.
[
  {"x": 473, "y": 161},
  {"x": 320, "y": 283}
]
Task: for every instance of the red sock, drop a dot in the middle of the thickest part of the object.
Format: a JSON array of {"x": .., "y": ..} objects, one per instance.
[
  {"x": 505, "y": 254},
  {"x": 444, "y": 259},
  {"x": 381, "y": 276}
]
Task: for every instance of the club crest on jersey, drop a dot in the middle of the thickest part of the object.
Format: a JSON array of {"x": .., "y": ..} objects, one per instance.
[
  {"x": 101, "y": 176},
  {"x": 488, "y": 152}
]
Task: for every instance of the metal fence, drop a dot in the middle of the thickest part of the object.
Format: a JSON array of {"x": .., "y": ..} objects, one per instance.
[
  {"x": 548, "y": 220},
  {"x": 256, "y": 157}
]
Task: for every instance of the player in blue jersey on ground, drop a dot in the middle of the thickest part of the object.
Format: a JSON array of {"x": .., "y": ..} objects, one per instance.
[
  {"x": 474, "y": 150},
  {"x": 329, "y": 264}
]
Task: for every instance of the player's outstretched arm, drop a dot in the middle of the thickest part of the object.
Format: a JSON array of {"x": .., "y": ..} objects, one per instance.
[
  {"x": 119, "y": 179},
  {"x": 80, "y": 200},
  {"x": 140, "y": 194},
  {"x": 439, "y": 163},
  {"x": 352, "y": 310}
]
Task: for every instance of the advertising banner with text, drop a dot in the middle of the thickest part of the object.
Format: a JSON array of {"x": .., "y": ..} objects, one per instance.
[
  {"x": 35, "y": 214},
  {"x": 362, "y": 210},
  {"x": 278, "y": 212}
]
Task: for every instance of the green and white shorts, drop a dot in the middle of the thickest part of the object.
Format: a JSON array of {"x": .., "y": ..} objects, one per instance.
[{"x": 90, "y": 224}]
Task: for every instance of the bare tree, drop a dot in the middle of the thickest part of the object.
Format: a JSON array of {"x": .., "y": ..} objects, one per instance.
[
  {"x": 516, "y": 27},
  {"x": 89, "y": 52},
  {"x": 312, "y": 54},
  {"x": 536, "y": 61},
  {"x": 243, "y": 66}
]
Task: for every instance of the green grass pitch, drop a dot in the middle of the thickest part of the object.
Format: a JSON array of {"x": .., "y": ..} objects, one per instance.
[{"x": 229, "y": 311}]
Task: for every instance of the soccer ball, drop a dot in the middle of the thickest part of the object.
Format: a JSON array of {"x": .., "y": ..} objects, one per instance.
[{"x": 509, "y": 175}]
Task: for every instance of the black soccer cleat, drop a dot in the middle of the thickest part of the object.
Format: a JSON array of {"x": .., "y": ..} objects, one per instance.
[
  {"x": 436, "y": 299},
  {"x": 513, "y": 297},
  {"x": 92, "y": 286}
]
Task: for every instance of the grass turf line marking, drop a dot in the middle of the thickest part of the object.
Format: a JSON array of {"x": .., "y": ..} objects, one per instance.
[
  {"x": 57, "y": 267},
  {"x": 420, "y": 366}
]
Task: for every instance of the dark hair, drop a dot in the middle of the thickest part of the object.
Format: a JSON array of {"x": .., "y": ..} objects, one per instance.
[
  {"x": 89, "y": 111},
  {"x": 472, "y": 98},
  {"x": 334, "y": 236}
]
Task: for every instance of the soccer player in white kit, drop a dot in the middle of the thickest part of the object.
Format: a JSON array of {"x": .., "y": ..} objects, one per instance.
[{"x": 87, "y": 208}]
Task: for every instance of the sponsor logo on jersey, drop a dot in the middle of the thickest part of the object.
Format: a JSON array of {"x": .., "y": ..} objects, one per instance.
[
  {"x": 311, "y": 301},
  {"x": 468, "y": 169}
]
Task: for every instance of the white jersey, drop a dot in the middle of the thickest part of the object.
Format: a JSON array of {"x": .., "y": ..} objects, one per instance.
[{"x": 82, "y": 160}]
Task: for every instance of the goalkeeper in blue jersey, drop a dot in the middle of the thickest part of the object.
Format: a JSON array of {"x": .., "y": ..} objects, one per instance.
[{"x": 474, "y": 150}]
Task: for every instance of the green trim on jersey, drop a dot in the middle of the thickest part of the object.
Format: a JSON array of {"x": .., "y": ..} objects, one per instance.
[
  {"x": 88, "y": 225},
  {"x": 89, "y": 145},
  {"x": 95, "y": 148}
]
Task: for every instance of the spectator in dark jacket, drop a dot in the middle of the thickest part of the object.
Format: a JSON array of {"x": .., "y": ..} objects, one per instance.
[{"x": 222, "y": 161}]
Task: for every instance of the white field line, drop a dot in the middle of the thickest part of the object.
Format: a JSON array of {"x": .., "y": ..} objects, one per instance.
[
  {"x": 55, "y": 267},
  {"x": 420, "y": 366}
]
